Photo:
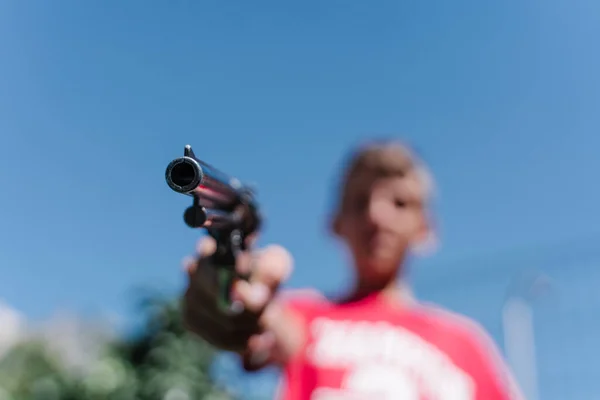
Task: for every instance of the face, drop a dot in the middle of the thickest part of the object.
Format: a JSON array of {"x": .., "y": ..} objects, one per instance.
[{"x": 379, "y": 221}]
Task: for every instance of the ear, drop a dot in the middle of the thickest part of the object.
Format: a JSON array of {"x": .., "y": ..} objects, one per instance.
[
  {"x": 335, "y": 225},
  {"x": 426, "y": 241}
]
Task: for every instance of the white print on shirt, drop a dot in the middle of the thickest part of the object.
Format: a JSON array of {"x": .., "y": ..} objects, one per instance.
[{"x": 384, "y": 362}]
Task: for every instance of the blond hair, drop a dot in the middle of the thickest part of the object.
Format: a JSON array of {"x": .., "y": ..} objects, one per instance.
[{"x": 382, "y": 159}]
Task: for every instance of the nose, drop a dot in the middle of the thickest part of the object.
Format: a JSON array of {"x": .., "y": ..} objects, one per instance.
[{"x": 377, "y": 212}]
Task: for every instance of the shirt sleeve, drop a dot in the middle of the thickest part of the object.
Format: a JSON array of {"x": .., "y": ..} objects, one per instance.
[{"x": 495, "y": 381}]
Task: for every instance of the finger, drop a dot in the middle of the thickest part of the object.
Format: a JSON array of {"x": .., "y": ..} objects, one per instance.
[
  {"x": 272, "y": 266},
  {"x": 261, "y": 342},
  {"x": 269, "y": 266},
  {"x": 259, "y": 351},
  {"x": 206, "y": 246},
  {"x": 245, "y": 261},
  {"x": 251, "y": 239},
  {"x": 190, "y": 264},
  {"x": 254, "y": 296}
]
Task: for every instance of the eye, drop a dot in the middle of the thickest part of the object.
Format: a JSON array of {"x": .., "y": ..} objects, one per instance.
[{"x": 399, "y": 203}]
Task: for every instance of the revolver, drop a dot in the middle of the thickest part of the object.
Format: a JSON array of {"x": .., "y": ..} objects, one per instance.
[{"x": 221, "y": 205}]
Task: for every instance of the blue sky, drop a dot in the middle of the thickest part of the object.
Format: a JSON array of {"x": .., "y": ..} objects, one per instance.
[{"x": 500, "y": 98}]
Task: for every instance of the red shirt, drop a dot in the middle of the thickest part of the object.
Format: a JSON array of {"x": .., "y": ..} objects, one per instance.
[{"x": 374, "y": 350}]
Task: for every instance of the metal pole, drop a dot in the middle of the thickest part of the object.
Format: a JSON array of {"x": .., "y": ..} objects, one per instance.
[{"x": 519, "y": 330}]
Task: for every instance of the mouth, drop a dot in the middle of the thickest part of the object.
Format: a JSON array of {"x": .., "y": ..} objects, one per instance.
[{"x": 380, "y": 245}]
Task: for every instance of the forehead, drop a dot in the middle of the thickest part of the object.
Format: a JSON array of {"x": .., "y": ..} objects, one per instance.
[{"x": 407, "y": 186}]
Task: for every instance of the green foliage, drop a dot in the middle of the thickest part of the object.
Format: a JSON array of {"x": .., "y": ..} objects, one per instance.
[
  {"x": 162, "y": 362},
  {"x": 29, "y": 371}
]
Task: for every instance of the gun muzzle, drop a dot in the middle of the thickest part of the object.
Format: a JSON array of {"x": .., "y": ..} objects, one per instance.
[{"x": 184, "y": 175}]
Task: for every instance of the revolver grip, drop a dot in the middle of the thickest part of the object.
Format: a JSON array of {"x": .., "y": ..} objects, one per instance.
[
  {"x": 229, "y": 244},
  {"x": 226, "y": 277}
]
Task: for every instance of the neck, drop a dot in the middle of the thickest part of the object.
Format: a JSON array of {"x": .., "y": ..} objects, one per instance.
[{"x": 396, "y": 290}]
